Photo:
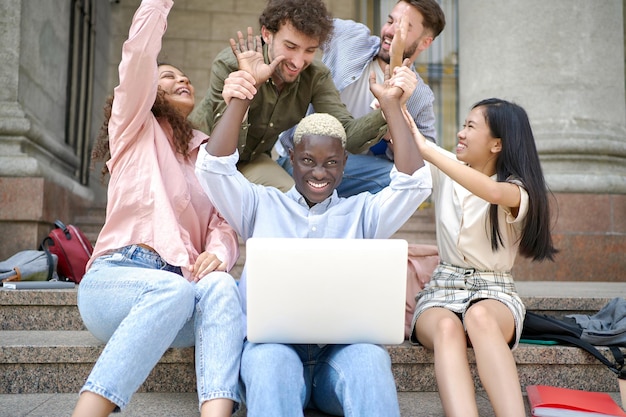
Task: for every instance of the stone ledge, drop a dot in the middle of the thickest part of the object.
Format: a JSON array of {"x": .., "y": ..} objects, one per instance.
[
  {"x": 586, "y": 294},
  {"x": 80, "y": 346},
  {"x": 59, "y": 361},
  {"x": 56, "y": 309}
]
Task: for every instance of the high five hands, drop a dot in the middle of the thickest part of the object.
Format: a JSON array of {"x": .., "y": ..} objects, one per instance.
[
  {"x": 390, "y": 94},
  {"x": 396, "y": 53},
  {"x": 249, "y": 53},
  {"x": 253, "y": 71},
  {"x": 391, "y": 88},
  {"x": 403, "y": 78}
]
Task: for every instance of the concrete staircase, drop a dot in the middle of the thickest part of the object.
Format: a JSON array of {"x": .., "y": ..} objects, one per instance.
[{"x": 44, "y": 348}]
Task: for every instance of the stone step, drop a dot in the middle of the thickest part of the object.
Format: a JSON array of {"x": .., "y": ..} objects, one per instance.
[
  {"x": 165, "y": 404},
  {"x": 39, "y": 310},
  {"x": 59, "y": 359},
  {"x": 56, "y": 309},
  {"x": 168, "y": 404}
]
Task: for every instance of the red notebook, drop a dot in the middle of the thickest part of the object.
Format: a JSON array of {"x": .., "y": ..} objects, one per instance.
[{"x": 547, "y": 401}]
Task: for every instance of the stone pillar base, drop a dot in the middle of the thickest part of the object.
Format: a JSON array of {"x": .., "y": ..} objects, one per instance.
[
  {"x": 28, "y": 208},
  {"x": 590, "y": 232}
]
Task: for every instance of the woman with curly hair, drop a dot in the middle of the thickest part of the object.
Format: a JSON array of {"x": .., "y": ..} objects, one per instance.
[{"x": 157, "y": 278}]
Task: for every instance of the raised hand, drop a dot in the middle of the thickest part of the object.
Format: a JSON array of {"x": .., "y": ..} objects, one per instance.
[
  {"x": 404, "y": 78},
  {"x": 239, "y": 84},
  {"x": 249, "y": 53},
  {"x": 387, "y": 90},
  {"x": 406, "y": 155},
  {"x": 396, "y": 52}
]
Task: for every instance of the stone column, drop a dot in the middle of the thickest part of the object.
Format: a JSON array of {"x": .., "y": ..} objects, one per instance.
[
  {"x": 36, "y": 167},
  {"x": 563, "y": 61}
]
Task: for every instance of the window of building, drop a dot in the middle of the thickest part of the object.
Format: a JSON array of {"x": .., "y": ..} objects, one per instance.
[{"x": 80, "y": 83}]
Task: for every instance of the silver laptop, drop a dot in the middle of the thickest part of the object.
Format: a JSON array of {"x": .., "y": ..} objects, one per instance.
[{"x": 326, "y": 291}]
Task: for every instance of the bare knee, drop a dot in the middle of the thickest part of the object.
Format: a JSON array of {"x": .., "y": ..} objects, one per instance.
[
  {"x": 480, "y": 320},
  {"x": 449, "y": 330}
]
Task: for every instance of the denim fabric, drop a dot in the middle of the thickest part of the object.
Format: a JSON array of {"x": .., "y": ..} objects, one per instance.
[
  {"x": 141, "y": 306},
  {"x": 361, "y": 173},
  {"x": 344, "y": 380}
]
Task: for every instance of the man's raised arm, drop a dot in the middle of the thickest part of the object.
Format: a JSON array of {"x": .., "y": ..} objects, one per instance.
[{"x": 408, "y": 158}]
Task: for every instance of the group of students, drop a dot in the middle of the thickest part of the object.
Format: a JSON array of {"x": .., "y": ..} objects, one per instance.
[{"x": 178, "y": 199}]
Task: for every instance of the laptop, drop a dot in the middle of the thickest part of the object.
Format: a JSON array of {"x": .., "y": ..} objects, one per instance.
[{"x": 326, "y": 291}]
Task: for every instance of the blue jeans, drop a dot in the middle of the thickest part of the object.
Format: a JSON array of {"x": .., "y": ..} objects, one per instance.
[
  {"x": 344, "y": 380},
  {"x": 141, "y": 306},
  {"x": 361, "y": 173}
]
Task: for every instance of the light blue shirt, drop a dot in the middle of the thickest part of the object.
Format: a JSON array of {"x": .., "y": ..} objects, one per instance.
[{"x": 261, "y": 211}]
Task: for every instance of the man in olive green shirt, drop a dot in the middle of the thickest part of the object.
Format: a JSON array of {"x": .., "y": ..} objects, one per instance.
[{"x": 293, "y": 29}]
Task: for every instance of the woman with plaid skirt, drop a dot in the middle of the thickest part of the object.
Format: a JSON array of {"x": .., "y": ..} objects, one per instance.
[{"x": 491, "y": 202}]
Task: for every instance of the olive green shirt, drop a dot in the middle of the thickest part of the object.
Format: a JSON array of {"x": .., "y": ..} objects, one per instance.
[{"x": 272, "y": 112}]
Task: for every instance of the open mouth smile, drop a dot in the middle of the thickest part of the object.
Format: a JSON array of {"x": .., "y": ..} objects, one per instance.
[
  {"x": 183, "y": 90},
  {"x": 318, "y": 185}
]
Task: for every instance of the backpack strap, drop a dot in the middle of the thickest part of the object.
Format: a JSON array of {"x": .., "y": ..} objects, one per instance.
[
  {"x": 60, "y": 225},
  {"x": 619, "y": 360},
  {"x": 616, "y": 367},
  {"x": 44, "y": 247}
]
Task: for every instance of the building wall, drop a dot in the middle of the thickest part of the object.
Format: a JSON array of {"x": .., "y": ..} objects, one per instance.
[
  {"x": 198, "y": 30},
  {"x": 563, "y": 62},
  {"x": 37, "y": 169}
]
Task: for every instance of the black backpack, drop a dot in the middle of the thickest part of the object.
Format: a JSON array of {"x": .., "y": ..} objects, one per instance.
[{"x": 566, "y": 331}]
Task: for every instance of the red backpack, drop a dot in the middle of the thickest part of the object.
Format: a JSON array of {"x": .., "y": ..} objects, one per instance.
[{"x": 72, "y": 248}]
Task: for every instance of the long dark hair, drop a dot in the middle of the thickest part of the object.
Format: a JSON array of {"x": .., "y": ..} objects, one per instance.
[
  {"x": 519, "y": 160},
  {"x": 182, "y": 130}
]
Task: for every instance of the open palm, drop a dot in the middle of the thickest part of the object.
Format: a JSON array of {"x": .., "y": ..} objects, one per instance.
[
  {"x": 249, "y": 53},
  {"x": 385, "y": 90}
]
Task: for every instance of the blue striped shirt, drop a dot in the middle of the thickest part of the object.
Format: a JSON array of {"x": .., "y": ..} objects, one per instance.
[{"x": 348, "y": 53}]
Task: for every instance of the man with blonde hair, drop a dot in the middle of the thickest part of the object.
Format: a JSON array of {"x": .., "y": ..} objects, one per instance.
[
  {"x": 284, "y": 379},
  {"x": 320, "y": 124}
]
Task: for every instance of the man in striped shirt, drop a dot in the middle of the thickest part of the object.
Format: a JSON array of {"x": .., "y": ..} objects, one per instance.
[{"x": 351, "y": 54}]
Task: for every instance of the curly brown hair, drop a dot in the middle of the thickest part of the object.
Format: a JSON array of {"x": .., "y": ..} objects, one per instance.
[
  {"x": 310, "y": 17},
  {"x": 182, "y": 130}
]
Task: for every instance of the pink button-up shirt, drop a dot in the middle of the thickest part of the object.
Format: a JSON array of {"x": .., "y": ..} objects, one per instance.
[{"x": 154, "y": 197}]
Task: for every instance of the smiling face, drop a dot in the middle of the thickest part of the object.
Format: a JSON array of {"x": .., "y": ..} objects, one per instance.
[
  {"x": 477, "y": 147},
  {"x": 318, "y": 162},
  {"x": 297, "y": 48},
  {"x": 178, "y": 89},
  {"x": 417, "y": 38}
]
